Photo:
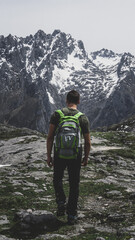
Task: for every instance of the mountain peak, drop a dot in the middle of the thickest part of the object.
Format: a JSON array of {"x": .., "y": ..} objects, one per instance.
[
  {"x": 127, "y": 54},
  {"x": 56, "y": 32},
  {"x": 105, "y": 53},
  {"x": 40, "y": 34}
]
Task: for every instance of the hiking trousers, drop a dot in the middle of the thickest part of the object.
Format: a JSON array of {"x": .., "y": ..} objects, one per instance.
[{"x": 73, "y": 167}]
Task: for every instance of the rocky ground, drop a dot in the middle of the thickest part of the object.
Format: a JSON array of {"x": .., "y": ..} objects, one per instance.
[{"x": 106, "y": 206}]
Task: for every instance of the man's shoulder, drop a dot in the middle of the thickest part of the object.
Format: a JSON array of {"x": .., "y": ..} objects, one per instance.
[
  {"x": 55, "y": 118},
  {"x": 83, "y": 117},
  {"x": 84, "y": 123}
]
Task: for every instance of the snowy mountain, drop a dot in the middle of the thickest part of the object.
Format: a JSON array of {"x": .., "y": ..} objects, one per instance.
[
  {"x": 119, "y": 86},
  {"x": 37, "y": 71}
]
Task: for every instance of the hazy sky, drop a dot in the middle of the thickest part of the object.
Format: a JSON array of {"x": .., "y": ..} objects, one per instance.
[{"x": 98, "y": 23}]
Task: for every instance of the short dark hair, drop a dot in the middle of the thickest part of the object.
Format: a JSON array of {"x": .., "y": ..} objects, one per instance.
[{"x": 73, "y": 97}]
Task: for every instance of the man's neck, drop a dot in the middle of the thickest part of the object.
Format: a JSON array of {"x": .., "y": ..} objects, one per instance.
[{"x": 71, "y": 105}]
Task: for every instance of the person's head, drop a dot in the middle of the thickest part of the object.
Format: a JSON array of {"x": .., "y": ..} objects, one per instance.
[{"x": 73, "y": 97}]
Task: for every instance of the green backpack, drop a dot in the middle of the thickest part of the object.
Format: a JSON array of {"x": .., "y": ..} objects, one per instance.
[{"x": 67, "y": 143}]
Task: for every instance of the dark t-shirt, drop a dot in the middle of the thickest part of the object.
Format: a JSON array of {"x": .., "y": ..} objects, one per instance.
[{"x": 84, "y": 122}]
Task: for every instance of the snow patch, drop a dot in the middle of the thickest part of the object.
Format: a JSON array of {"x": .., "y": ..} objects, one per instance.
[
  {"x": 12, "y": 50},
  {"x": 2, "y": 60},
  {"x": 60, "y": 77},
  {"x": 75, "y": 62},
  {"x": 109, "y": 66},
  {"x": 50, "y": 98},
  {"x": 64, "y": 69},
  {"x": 105, "y": 62},
  {"x": 6, "y": 165}
]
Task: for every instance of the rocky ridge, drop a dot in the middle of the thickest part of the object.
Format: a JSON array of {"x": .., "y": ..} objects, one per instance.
[
  {"x": 37, "y": 71},
  {"x": 107, "y": 190},
  {"x": 127, "y": 125}
]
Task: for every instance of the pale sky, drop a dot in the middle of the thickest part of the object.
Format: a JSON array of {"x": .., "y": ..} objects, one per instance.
[{"x": 99, "y": 24}]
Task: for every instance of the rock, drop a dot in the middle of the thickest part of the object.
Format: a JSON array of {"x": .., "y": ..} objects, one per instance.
[
  {"x": 121, "y": 163},
  {"x": 18, "y": 194},
  {"x": 132, "y": 195},
  {"x": 100, "y": 238},
  {"x": 2, "y": 237},
  {"x": 31, "y": 223},
  {"x": 29, "y": 219},
  {"x": 111, "y": 162},
  {"x": 7, "y": 131},
  {"x": 99, "y": 198},
  {"x": 131, "y": 228},
  {"x": 114, "y": 193},
  {"x": 116, "y": 217},
  {"x": 3, "y": 220},
  {"x": 98, "y": 159},
  {"x": 22, "y": 148}
]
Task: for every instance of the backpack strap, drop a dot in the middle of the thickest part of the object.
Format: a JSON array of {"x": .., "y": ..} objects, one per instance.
[
  {"x": 78, "y": 115},
  {"x": 60, "y": 113}
]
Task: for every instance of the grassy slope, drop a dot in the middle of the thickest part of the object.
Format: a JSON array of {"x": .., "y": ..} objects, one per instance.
[{"x": 93, "y": 193}]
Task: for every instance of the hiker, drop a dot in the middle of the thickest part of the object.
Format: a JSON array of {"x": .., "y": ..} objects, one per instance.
[{"x": 69, "y": 158}]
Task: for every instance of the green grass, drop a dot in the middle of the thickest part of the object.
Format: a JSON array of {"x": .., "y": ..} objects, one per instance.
[
  {"x": 113, "y": 137},
  {"x": 91, "y": 188},
  {"x": 125, "y": 153},
  {"x": 92, "y": 234}
]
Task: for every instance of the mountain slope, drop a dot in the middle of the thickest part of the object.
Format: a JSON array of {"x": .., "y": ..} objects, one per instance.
[
  {"x": 37, "y": 71},
  {"x": 120, "y": 81}
]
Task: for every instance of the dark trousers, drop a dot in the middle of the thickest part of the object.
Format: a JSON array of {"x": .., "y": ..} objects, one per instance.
[{"x": 73, "y": 167}]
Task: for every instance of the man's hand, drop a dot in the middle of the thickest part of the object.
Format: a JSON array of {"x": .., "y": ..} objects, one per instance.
[
  {"x": 50, "y": 161},
  {"x": 85, "y": 161}
]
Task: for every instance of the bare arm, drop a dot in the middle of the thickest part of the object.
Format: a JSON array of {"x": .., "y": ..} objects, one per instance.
[
  {"x": 87, "y": 146},
  {"x": 50, "y": 139}
]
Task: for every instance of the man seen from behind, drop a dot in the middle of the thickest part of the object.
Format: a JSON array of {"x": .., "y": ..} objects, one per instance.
[{"x": 73, "y": 163}]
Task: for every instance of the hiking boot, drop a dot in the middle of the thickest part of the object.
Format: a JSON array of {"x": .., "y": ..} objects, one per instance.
[
  {"x": 72, "y": 219},
  {"x": 61, "y": 209}
]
